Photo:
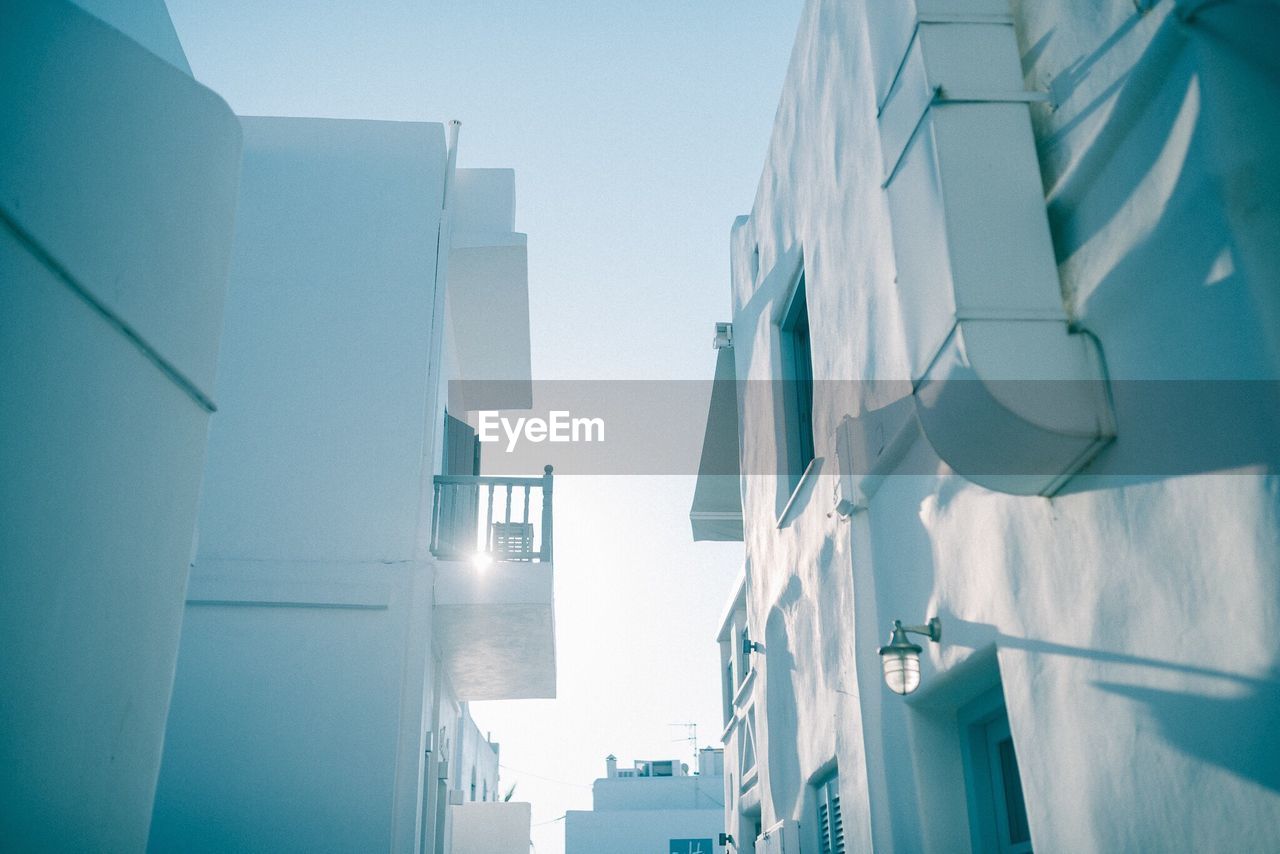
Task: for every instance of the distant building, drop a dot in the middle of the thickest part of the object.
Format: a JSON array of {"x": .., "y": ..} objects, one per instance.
[
  {"x": 1004, "y": 351},
  {"x": 654, "y": 806},
  {"x": 480, "y": 821},
  {"x": 248, "y": 586}
]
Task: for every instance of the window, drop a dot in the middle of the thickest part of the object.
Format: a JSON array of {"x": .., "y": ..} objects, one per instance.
[
  {"x": 797, "y": 375},
  {"x": 744, "y": 657},
  {"x": 997, "y": 809},
  {"x": 830, "y": 825},
  {"x": 730, "y": 688},
  {"x": 747, "y": 750}
]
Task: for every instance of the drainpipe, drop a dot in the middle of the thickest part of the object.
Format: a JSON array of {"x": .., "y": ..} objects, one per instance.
[
  {"x": 451, "y": 161},
  {"x": 1006, "y": 392},
  {"x": 444, "y": 239},
  {"x": 415, "y": 792}
]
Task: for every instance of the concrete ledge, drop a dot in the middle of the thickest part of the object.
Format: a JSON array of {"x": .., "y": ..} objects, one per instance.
[{"x": 496, "y": 629}]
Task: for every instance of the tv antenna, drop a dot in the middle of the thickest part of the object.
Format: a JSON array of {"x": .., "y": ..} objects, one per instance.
[{"x": 692, "y": 738}]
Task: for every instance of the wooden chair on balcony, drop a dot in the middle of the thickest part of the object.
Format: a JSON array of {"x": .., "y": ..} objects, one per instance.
[{"x": 511, "y": 540}]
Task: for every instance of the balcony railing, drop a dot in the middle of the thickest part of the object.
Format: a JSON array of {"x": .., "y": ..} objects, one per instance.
[{"x": 505, "y": 518}]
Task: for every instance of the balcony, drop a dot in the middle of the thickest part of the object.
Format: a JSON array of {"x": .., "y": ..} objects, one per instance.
[
  {"x": 508, "y": 533},
  {"x": 495, "y": 609}
]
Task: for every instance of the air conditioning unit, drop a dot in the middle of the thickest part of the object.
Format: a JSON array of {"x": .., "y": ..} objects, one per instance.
[
  {"x": 724, "y": 336},
  {"x": 782, "y": 838}
]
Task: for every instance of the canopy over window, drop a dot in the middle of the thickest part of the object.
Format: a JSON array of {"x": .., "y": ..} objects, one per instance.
[{"x": 717, "y": 499}]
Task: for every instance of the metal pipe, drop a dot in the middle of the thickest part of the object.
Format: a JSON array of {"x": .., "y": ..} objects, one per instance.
[{"x": 451, "y": 161}]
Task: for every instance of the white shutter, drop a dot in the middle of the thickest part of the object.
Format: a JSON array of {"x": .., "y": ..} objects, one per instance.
[
  {"x": 837, "y": 824},
  {"x": 830, "y": 824}
]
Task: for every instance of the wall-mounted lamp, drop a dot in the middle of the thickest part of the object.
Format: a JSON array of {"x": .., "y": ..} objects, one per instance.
[
  {"x": 749, "y": 646},
  {"x": 901, "y": 658}
]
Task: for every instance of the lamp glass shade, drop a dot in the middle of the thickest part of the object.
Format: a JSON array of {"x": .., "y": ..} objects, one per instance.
[{"x": 901, "y": 669}]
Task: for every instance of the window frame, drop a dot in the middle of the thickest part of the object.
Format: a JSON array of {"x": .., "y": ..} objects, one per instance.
[
  {"x": 729, "y": 689},
  {"x": 748, "y": 761},
  {"x": 984, "y": 726},
  {"x": 796, "y": 349},
  {"x": 827, "y": 798}
]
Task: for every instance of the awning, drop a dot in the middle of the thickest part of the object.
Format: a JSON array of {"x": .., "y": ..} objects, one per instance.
[{"x": 717, "y": 499}]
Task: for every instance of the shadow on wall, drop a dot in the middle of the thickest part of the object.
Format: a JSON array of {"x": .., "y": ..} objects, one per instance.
[
  {"x": 781, "y": 718},
  {"x": 1234, "y": 733},
  {"x": 1176, "y": 294},
  {"x": 1176, "y": 297},
  {"x": 832, "y": 612}
]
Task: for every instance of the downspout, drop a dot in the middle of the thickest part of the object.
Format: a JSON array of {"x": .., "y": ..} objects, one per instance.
[
  {"x": 444, "y": 239},
  {"x": 451, "y": 161},
  {"x": 444, "y": 236},
  {"x": 1009, "y": 395},
  {"x": 415, "y": 784}
]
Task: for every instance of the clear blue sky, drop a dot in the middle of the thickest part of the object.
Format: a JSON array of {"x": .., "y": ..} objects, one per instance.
[{"x": 637, "y": 132}]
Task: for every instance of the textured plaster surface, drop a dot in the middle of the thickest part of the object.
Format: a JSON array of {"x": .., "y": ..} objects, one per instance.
[
  {"x": 307, "y": 646},
  {"x": 501, "y": 828},
  {"x": 117, "y": 189},
  {"x": 1137, "y": 724}
]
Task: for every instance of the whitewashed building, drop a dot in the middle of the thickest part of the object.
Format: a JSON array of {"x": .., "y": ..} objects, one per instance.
[
  {"x": 115, "y": 238},
  {"x": 334, "y": 580},
  {"x": 1004, "y": 352},
  {"x": 655, "y": 805},
  {"x": 482, "y": 820},
  {"x": 335, "y": 622}
]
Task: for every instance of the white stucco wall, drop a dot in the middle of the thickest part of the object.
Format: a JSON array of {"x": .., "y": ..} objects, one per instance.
[
  {"x": 285, "y": 727},
  {"x": 319, "y": 453},
  {"x": 314, "y": 707},
  {"x": 496, "y": 629},
  {"x": 491, "y": 828},
  {"x": 306, "y": 677},
  {"x": 637, "y": 831},
  {"x": 1106, "y": 606},
  {"x": 147, "y": 22},
  {"x": 477, "y": 763},
  {"x": 117, "y": 189},
  {"x": 657, "y": 793},
  {"x": 643, "y": 814}
]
